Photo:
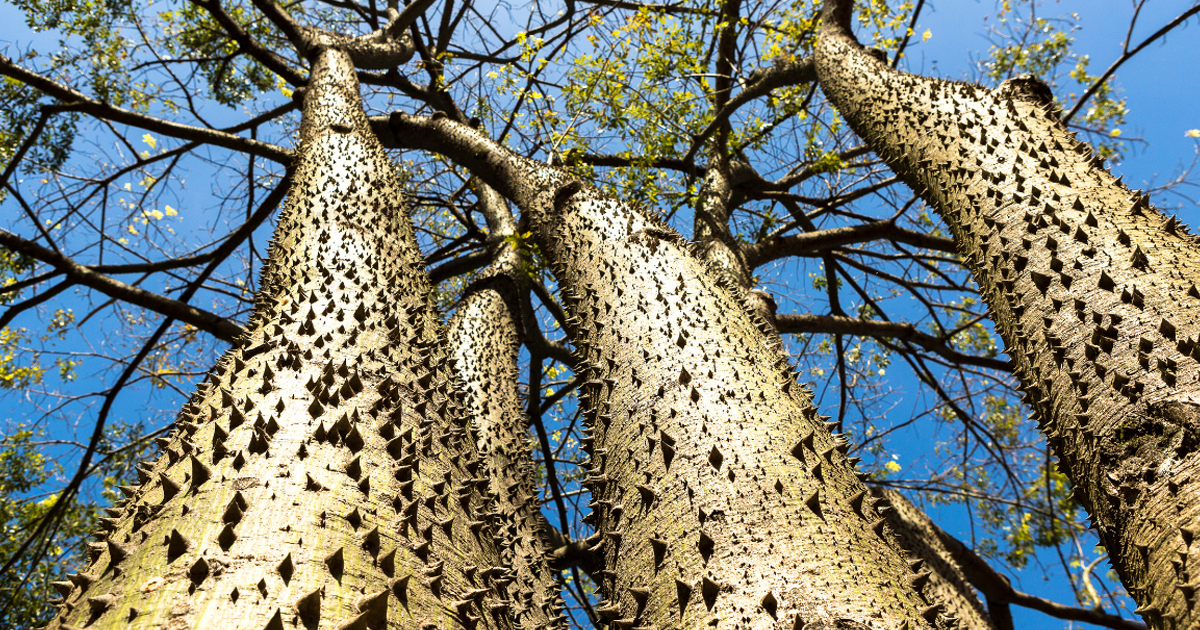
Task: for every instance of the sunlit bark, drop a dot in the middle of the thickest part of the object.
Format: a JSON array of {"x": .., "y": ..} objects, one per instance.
[
  {"x": 721, "y": 498},
  {"x": 1092, "y": 289},
  {"x": 323, "y": 475}
]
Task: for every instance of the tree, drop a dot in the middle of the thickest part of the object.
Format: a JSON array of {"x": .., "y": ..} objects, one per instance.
[
  {"x": 306, "y": 461},
  {"x": 676, "y": 372},
  {"x": 484, "y": 339},
  {"x": 1093, "y": 290}
]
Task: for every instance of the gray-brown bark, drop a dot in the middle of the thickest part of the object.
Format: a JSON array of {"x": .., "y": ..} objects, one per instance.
[
  {"x": 1092, "y": 290},
  {"x": 917, "y": 535},
  {"x": 913, "y": 530},
  {"x": 322, "y": 476},
  {"x": 729, "y": 258},
  {"x": 720, "y": 498},
  {"x": 484, "y": 339}
]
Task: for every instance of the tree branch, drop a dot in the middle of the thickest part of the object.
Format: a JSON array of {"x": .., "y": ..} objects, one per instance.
[
  {"x": 29, "y": 141},
  {"x": 383, "y": 49},
  {"x": 248, "y": 44},
  {"x": 809, "y": 243},
  {"x": 1095, "y": 86},
  {"x": 459, "y": 265},
  {"x": 76, "y": 101},
  {"x": 908, "y": 33},
  {"x": 759, "y": 84},
  {"x": 566, "y": 553},
  {"x": 995, "y": 587},
  {"x": 218, "y": 326},
  {"x": 840, "y": 325},
  {"x": 669, "y": 9},
  {"x": 212, "y": 323}
]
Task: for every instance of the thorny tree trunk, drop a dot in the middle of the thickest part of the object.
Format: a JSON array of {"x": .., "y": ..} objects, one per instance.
[
  {"x": 484, "y": 339},
  {"x": 917, "y": 535},
  {"x": 322, "y": 476},
  {"x": 725, "y": 255},
  {"x": 719, "y": 497},
  {"x": 946, "y": 585},
  {"x": 1092, "y": 290}
]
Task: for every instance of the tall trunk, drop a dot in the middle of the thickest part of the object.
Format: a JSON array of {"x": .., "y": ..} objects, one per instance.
[
  {"x": 484, "y": 339},
  {"x": 720, "y": 498},
  {"x": 918, "y": 536},
  {"x": 725, "y": 257},
  {"x": 721, "y": 250},
  {"x": 1092, "y": 290},
  {"x": 320, "y": 476}
]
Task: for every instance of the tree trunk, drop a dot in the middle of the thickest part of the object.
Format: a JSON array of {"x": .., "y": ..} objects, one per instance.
[
  {"x": 720, "y": 498},
  {"x": 484, "y": 339},
  {"x": 918, "y": 535},
  {"x": 725, "y": 257},
  {"x": 1092, "y": 290},
  {"x": 322, "y": 476},
  {"x": 719, "y": 248}
]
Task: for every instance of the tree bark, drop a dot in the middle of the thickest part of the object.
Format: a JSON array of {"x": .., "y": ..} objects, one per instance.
[
  {"x": 719, "y": 497},
  {"x": 1092, "y": 290},
  {"x": 730, "y": 259},
  {"x": 485, "y": 338},
  {"x": 913, "y": 530},
  {"x": 918, "y": 535},
  {"x": 322, "y": 476}
]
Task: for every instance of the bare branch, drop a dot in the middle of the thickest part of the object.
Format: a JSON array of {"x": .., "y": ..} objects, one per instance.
[
  {"x": 840, "y": 325},
  {"x": 76, "y": 101},
  {"x": 29, "y": 141},
  {"x": 759, "y": 84},
  {"x": 248, "y": 44},
  {"x": 995, "y": 587},
  {"x": 218, "y": 326},
  {"x": 669, "y": 9},
  {"x": 810, "y": 243},
  {"x": 1095, "y": 86}
]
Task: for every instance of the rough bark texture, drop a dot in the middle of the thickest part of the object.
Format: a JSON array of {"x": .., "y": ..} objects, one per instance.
[
  {"x": 725, "y": 255},
  {"x": 322, "y": 476},
  {"x": 1092, "y": 290},
  {"x": 484, "y": 339},
  {"x": 912, "y": 529},
  {"x": 721, "y": 250},
  {"x": 717, "y": 200},
  {"x": 918, "y": 536},
  {"x": 720, "y": 499}
]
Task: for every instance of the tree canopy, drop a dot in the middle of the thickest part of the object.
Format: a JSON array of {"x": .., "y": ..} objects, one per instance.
[{"x": 145, "y": 148}]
